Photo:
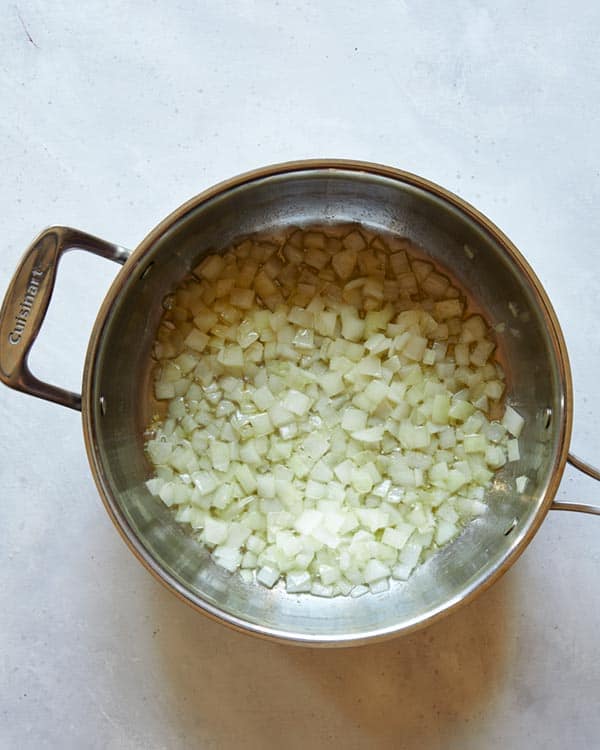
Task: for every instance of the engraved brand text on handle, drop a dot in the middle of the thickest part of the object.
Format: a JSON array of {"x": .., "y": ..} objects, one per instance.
[{"x": 26, "y": 305}]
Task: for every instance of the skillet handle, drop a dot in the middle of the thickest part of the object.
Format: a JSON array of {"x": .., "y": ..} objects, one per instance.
[
  {"x": 26, "y": 303},
  {"x": 580, "y": 507}
]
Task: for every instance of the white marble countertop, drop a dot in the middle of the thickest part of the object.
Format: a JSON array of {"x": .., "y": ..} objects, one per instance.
[{"x": 113, "y": 113}]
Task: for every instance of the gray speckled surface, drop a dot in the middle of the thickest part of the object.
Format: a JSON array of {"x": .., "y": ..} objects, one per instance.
[{"x": 113, "y": 114}]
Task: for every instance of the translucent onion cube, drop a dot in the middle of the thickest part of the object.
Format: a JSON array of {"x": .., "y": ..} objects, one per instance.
[
  {"x": 298, "y": 582},
  {"x": 296, "y": 402},
  {"x": 308, "y": 521},
  {"x": 375, "y": 571},
  {"x": 513, "y": 450},
  {"x": 475, "y": 444},
  {"x": 227, "y": 557},
  {"x": 513, "y": 421},
  {"x": 445, "y": 531},
  {"x": 380, "y": 586},
  {"x": 268, "y": 576},
  {"x": 398, "y": 536},
  {"x": 353, "y": 419},
  {"x": 215, "y": 531},
  {"x": 521, "y": 483}
]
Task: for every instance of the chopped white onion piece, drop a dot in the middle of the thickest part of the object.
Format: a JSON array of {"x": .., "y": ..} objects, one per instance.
[
  {"x": 380, "y": 586},
  {"x": 513, "y": 421},
  {"x": 268, "y": 576},
  {"x": 298, "y": 582},
  {"x": 513, "y": 450},
  {"x": 521, "y": 483}
]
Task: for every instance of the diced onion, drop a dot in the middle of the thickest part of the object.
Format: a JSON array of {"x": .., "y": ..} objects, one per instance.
[
  {"x": 521, "y": 483},
  {"x": 513, "y": 421},
  {"x": 326, "y": 411}
]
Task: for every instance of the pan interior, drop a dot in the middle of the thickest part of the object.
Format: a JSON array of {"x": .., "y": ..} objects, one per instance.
[{"x": 120, "y": 379}]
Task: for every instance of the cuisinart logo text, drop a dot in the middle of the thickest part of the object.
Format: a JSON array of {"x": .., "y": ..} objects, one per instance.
[{"x": 27, "y": 303}]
